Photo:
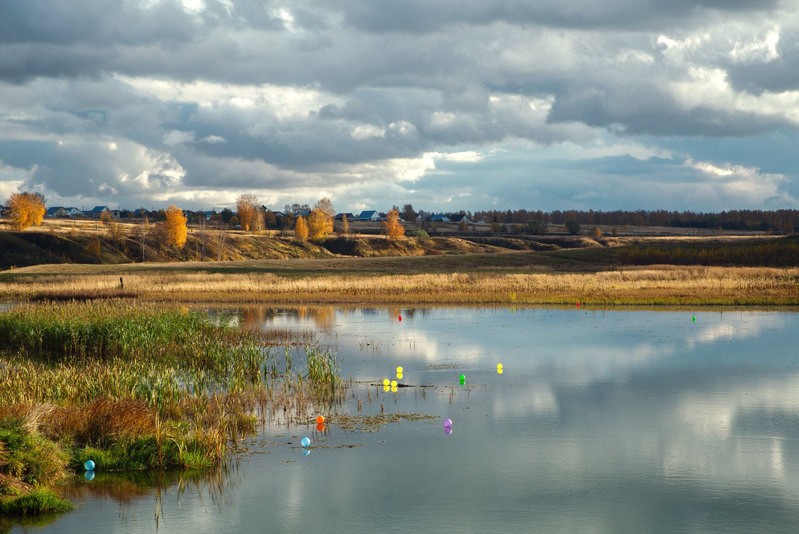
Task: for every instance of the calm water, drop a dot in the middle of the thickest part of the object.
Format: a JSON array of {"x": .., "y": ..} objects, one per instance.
[{"x": 602, "y": 421}]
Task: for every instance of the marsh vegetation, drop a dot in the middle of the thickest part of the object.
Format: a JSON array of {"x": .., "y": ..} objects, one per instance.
[{"x": 136, "y": 387}]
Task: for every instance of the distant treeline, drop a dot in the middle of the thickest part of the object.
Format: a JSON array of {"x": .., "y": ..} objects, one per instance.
[
  {"x": 782, "y": 252},
  {"x": 782, "y": 221}
]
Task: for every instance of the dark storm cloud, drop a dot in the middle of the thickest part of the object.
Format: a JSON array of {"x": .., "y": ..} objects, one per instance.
[
  {"x": 418, "y": 16},
  {"x": 138, "y": 98}
]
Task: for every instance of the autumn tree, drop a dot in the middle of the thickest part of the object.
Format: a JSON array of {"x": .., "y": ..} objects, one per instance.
[
  {"x": 392, "y": 225},
  {"x": 175, "y": 226},
  {"x": 320, "y": 221},
  {"x": 248, "y": 211},
  {"x": 345, "y": 225},
  {"x": 25, "y": 209},
  {"x": 301, "y": 229}
]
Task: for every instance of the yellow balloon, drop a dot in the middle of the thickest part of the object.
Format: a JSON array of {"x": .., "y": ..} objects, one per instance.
[
  {"x": 399, "y": 376},
  {"x": 386, "y": 381},
  {"x": 499, "y": 366},
  {"x": 386, "y": 389},
  {"x": 399, "y": 370},
  {"x": 393, "y": 383},
  {"x": 393, "y": 389},
  {"x": 499, "y": 371}
]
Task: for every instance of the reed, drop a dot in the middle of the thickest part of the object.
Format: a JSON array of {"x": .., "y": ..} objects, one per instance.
[
  {"x": 653, "y": 285},
  {"x": 137, "y": 386}
]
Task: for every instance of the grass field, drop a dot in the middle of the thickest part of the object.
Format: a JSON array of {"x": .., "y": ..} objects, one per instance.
[{"x": 561, "y": 277}]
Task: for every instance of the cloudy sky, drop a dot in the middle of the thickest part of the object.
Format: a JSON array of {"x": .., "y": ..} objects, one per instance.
[{"x": 448, "y": 105}]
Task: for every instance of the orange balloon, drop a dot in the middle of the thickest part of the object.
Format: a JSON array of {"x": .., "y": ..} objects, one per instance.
[
  {"x": 320, "y": 427},
  {"x": 320, "y": 419}
]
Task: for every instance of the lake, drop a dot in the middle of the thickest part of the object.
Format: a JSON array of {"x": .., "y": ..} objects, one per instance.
[{"x": 601, "y": 421}]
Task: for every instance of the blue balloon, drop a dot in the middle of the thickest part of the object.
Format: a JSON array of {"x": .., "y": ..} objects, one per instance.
[
  {"x": 305, "y": 442},
  {"x": 89, "y": 475},
  {"x": 89, "y": 465},
  {"x": 306, "y": 452}
]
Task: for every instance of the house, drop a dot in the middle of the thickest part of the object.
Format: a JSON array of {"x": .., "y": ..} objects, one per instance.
[
  {"x": 61, "y": 212},
  {"x": 97, "y": 211},
  {"x": 368, "y": 215},
  {"x": 460, "y": 218},
  {"x": 340, "y": 217},
  {"x": 438, "y": 217}
]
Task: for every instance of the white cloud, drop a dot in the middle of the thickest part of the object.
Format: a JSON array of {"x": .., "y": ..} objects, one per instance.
[{"x": 757, "y": 50}]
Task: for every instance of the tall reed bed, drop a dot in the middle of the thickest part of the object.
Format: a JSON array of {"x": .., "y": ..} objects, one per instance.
[
  {"x": 660, "y": 284},
  {"x": 138, "y": 386}
]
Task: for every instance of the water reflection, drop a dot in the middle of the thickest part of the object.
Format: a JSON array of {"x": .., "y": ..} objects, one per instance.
[{"x": 601, "y": 421}]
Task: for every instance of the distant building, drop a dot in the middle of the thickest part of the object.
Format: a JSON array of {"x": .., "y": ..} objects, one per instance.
[
  {"x": 340, "y": 217},
  {"x": 459, "y": 218},
  {"x": 61, "y": 212},
  {"x": 439, "y": 217},
  {"x": 368, "y": 215},
  {"x": 96, "y": 212}
]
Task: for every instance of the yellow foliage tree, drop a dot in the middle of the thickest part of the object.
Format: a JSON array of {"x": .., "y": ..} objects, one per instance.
[
  {"x": 320, "y": 221},
  {"x": 392, "y": 226},
  {"x": 320, "y": 225},
  {"x": 25, "y": 209},
  {"x": 249, "y": 212},
  {"x": 301, "y": 229},
  {"x": 175, "y": 226}
]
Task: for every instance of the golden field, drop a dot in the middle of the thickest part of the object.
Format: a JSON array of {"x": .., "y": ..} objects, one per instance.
[{"x": 265, "y": 282}]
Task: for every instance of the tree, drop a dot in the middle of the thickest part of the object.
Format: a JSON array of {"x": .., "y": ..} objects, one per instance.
[
  {"x": 301, "y": 229},
  {"x": 319, "y": 225},
  {"x": 25, "y": 209},
  {"x": 345, "y": 225},
  {"x": 248, "y": 212},
  {"x": 408, "y": 213},
  {"x": 572, "y": 226},
  {"x": 175, "y": 227},
  {"x": 392, "y": 226},
  {"x": 320, "y": 221},
  {"x": 105, "y": 217}
]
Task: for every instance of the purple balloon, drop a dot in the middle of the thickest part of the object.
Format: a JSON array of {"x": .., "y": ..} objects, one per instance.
[
  {"x": 447, "y": 423},
  {"x": 447, "y": 430}
]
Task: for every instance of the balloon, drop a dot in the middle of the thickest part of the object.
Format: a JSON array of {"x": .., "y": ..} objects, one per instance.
[
  {"x": 89, "y": 475},
  {"x": 399, "y": 376},
  {"x": 305, "y": 442},
  {"x": 306, "y": 452},
  {"x": 89, "y": 465},
  {"x": 386, "y": 388},
  {"x": 393, "y": 389},
  {"x": 462, "y": 379},
  {"x": 399, "y": 370},
  {"x": 448, "y": 423},
  {"x": 499, "y": 370},
  {"x": 578, "y": 303},
  {"x": 693, "y": 318},
  {"x": 400, "y": 318},
  {"x": 320, "y": 427},
  {"x": 448, "y": 430},
  {"x": 320, "y": 419},
  {"x": 393, "y": 383},
  {"x": 386, "y": 381}
]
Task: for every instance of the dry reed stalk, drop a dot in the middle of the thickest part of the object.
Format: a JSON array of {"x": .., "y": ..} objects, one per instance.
[{"x": 654, "y": 285}]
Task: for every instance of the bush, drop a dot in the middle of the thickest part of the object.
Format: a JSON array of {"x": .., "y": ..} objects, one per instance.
[
  {"x": 419, "y": 233},
  {"x": 29, "y": 457},
  {"x": 37, "y": 502}
]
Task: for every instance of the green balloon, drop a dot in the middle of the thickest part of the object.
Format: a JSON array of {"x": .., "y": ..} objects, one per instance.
[{"x": 462, "y": 379}]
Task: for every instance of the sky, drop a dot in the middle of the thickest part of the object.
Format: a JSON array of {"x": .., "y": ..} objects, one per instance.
[{"x": 445, "y": 105}]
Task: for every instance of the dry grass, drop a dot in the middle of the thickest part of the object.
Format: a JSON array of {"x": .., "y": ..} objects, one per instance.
[{"x": 658, "y": 285}]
